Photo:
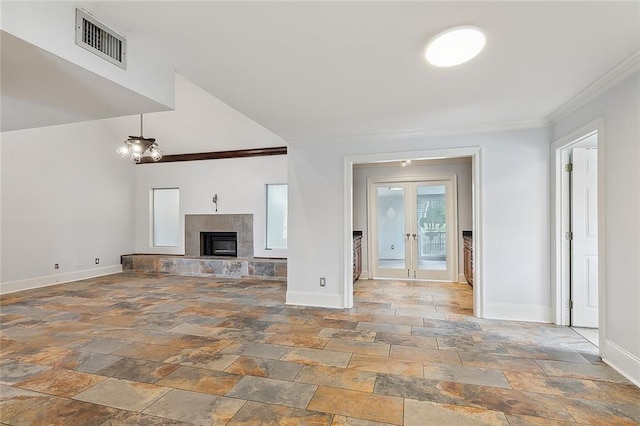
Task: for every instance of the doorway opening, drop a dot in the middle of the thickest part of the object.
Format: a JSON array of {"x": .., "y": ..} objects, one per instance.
[
  {"x": 578, "y": 253},
  {"x": 355, "y": 202}
]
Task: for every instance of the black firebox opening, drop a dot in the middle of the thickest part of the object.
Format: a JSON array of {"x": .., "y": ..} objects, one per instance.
[{"x": 219, "y": 244}]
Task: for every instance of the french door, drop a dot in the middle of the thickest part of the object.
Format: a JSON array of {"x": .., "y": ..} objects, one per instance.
[{"x": 413, "y": 229}]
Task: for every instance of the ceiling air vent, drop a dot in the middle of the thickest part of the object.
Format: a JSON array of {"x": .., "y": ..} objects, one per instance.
[{"x": 100, "y": 39}]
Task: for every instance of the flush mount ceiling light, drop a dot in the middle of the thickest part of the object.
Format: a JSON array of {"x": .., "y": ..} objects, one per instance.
[
  {"x": 137, "y": 146},
  {"x": 454, "y": 46}
]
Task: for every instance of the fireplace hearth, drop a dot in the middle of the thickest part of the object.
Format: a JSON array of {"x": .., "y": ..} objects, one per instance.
[{"x": 219, "y": 244}]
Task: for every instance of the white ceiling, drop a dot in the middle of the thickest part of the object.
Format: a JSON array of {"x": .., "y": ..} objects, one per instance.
[{"x": 316, "y": 69}]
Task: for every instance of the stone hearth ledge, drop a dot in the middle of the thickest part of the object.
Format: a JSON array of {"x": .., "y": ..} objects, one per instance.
[{"x": 222, "y": 267}]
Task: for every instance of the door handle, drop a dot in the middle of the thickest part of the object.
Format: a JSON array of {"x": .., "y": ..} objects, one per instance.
[
  {"x": 414, "y": 236},
  {"x": 407, "y": 235}
]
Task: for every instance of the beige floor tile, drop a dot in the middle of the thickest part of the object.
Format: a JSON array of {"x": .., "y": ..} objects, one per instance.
[
  {"x": 416, "y": 413},
  {"x": 62, "y": 411},
  {"x": 345, "y": 378},
  {"x": 499, "y": 362},
  {"x": 272, "y": 391},
  {"x": 412, "y": 353},
  {"x": 200, "y": 380},
  {"x": 60, "y": 382},
  {"x": 385, "y": 328},
  {"x": 123, "y": 394},
  {"x": 581, "y": 371},
  {"x": 260, "y": 367},
  {"x": 317, "y": 357},
  {"x": 256, "y": 414},
  {"x": 464, "y": 374},
  {"x": 361, "y": 405},
  {"x": 352, "y": 421},
  {"x": 356, "y": 335},
  {"x": 147, "y": 351},
  {"x": 300, "y": 340},
  {"x": 293, "y": 329},
  {"x": 553, "y": 385},
  {"x": 364, "y": 348},
  {"x": 15, "y": 400},
  {"x": 203, "y": 359},
  {"x": 407, "y": 340},
  {"x": 195, "y": 408},
  {"x": 386, "y": 365},
  {"x": 392, "y": 319}
]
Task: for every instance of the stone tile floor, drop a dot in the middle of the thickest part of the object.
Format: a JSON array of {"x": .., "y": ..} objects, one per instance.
[{"x": 170, "y": 350}]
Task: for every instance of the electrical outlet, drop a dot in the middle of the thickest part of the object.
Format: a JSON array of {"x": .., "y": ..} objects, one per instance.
[
  {"x": 97, "y": 260},
  {"x": 392, "y": 247},
  {"x": 56, "y": 266},
  {"x": 323, "y": 281}
]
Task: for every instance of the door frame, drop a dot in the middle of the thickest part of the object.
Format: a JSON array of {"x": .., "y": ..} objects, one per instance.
[
  {"x": 452, "y": 178},
  {"x": 475, "y": 153},
  {"x": 560, "y": 217}
]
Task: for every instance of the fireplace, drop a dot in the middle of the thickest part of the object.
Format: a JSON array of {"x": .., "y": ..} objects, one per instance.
[
  {"x": 196, "y": 224},
  {"x": 219, "y": 244}
]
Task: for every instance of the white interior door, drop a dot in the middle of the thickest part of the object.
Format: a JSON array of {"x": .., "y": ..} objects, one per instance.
[
  {"x": 413, "y": 229},
  {"x": 584, "y": 245}
]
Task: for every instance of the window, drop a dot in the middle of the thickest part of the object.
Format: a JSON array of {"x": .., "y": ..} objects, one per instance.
[
  {"x": 165, "y": 206},
  {"x": 276, "y": 216}
]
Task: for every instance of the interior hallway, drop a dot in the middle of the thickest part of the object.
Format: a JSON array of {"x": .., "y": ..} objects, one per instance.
[{"x": 172, "y": 350}]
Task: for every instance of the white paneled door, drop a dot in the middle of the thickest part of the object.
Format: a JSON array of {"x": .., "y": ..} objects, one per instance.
[
  {"x": 413, "y": 228},
  {"x": 584, "y": 244}
]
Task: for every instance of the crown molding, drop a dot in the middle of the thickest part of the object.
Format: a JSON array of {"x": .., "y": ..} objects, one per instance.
[
  {"x": 414, "y": 163},
  {"x": 413, "y": 133},
  {"x": 620, "y": 72}
]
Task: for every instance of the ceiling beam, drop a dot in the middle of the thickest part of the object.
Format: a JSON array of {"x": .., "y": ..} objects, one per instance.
[{"x": 218, "y": 155}]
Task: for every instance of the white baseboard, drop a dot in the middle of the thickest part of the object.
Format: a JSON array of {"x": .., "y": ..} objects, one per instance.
[
  {"x": 322, "y": 300},
  {"x": 507, "y": 311},
  {"x": 364, "y": 274},
  {"x": 623, "y": 361},
  {"x": 462, "y": 279},
  {"x": 31, "y": 283}
]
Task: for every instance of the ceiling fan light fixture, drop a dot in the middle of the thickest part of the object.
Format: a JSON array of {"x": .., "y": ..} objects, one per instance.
[{"x": 455, "y": 46}]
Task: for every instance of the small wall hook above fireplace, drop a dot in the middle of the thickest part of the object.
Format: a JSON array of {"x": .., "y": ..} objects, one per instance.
[{"x": 215, "y": 201}]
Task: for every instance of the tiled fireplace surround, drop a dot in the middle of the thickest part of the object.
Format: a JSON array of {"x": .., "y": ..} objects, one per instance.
[
  {"x": 194, "y": 224},
  {"x": 245, "y": 265}
]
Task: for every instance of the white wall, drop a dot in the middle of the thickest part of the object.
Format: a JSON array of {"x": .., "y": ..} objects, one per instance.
[
  {"x": 239, "y": 183},
  {"x": 620, "y": 148},
  {"x": 51, "y": 26},
  {"x": 514, "y": 186},
  {"x": 459, "y": 167},
  {"x": 67, "y": 198}
]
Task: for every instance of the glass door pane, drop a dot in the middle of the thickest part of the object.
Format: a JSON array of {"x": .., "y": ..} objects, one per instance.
[
  {"x": 391, "y": 227},
  {"x": 434, "y": 219},
  {"x": 431, "y": 216}
]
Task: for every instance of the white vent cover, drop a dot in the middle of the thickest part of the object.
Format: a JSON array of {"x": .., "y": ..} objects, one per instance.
[{"x": 100, "y": 39}]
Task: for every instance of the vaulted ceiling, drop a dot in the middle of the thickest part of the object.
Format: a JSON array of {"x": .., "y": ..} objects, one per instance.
[{"x": 317, "y": 69}]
